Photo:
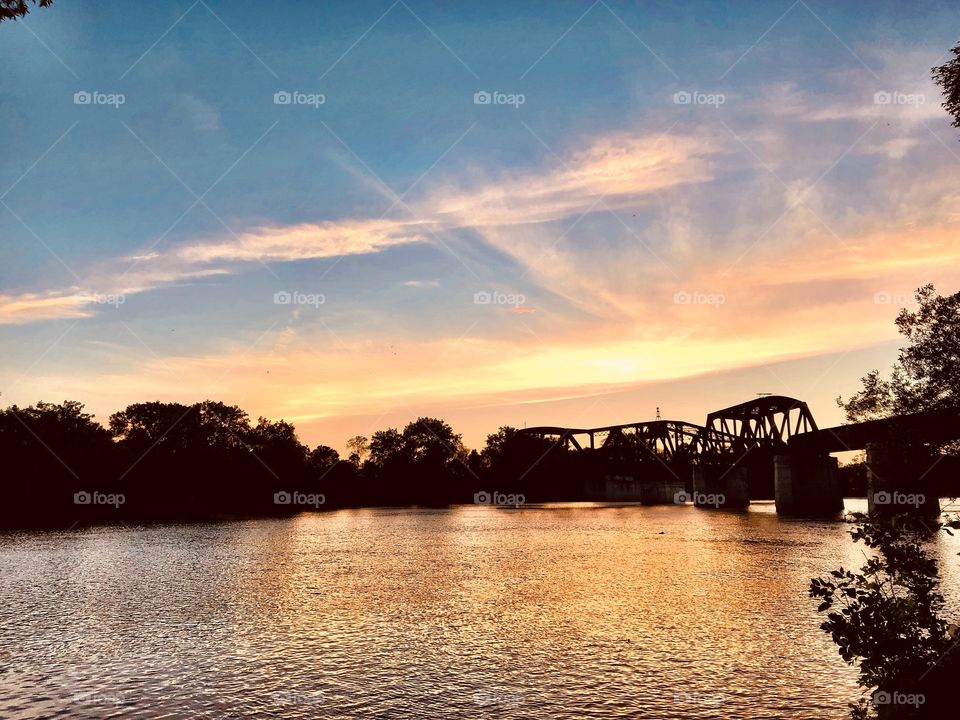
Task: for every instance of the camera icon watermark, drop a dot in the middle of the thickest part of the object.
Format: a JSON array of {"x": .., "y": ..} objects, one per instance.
[
  {"x": 296, "y": 297},
  {"x": 498, "y": 498},
  {"x": 894, "y": 97},
  {"x": 84, "y": 97},
  {"x": 685, "y": 297},
  {"x": 98, "y": 498},
  {"x": 294, "y": 497},
  {"x": 484, "y": 297},
  {"x": 696, "y": 97},
  {"x": 295, "y": 97},
  {"x": 482, "y": 97}
]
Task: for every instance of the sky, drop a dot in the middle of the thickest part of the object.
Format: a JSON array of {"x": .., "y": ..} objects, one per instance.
[{"x": 349, "y": 215}]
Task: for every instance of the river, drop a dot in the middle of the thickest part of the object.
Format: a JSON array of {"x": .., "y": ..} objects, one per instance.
[{"x": 559, "y": 611}]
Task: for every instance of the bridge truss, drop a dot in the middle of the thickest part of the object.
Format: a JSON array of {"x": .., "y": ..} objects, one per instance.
[{"x": 764, "y": 422}]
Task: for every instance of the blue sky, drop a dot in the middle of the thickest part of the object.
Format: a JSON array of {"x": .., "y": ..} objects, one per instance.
[{"x": 637, "y": 249}]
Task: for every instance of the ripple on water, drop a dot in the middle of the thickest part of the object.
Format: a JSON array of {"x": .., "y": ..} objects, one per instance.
[{"x": 559, "y": 612}]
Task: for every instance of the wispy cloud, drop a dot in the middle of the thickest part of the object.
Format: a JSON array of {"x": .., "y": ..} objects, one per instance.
[{"x": 617, "y": 169}]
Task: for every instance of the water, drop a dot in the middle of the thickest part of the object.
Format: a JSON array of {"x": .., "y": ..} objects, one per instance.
[{"x": 564, "y": 611}]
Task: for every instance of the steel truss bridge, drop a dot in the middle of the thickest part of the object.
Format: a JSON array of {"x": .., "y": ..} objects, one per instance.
[
  {"x": 766, "y": 446},
  {"x": 769, "y": 421}
]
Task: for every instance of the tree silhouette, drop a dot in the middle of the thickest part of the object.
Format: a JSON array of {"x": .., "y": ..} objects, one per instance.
[
  {"x": 947, "y": 76},
  {"x": 172, "y": 462},
  {"x": 358, "y": 448},
  {"x": 13, "y": 9},
  {"x": 926, "y": 375},
  {"x": 50, "y": 452},
  {"x": 888, "y": 619}
]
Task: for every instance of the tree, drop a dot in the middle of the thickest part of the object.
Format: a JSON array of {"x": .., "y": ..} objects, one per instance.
[
  {"x": 50, "y": 452},
  {"x": 322, "y": 458},
  {"x": 947, "y": 76},
  {"x": 13, "y": 9},
  {"x": 204, "y": 459},
  {"x": 888, "y": 619},
  {"x": 539, "y": 468},
  {"x": 357, "y": 449},
  {"x": 438, "y": 462},
  {"x": 926, "y": 375},
  {"x": 432, "y": 441},
  {"x": 277, "y": 449},
  {"x": 426, "y": 464},
  {"x": 386, "y": 447}
]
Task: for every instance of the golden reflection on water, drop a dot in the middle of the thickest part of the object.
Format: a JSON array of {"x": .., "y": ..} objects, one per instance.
[{"x": 566, "y": 611}]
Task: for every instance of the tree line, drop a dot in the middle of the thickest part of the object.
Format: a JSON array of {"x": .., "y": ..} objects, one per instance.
[{"x": 170, "y": 462}]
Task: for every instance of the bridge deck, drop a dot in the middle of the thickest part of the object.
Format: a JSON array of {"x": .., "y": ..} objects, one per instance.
[{"x": 930, "y": 426}]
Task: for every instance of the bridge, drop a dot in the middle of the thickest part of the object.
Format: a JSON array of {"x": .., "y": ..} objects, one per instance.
[{"x": 765, "y": 447}]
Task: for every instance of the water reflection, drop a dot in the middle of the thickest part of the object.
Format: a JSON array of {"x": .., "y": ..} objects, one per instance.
[{"x": 565, "y": 611}]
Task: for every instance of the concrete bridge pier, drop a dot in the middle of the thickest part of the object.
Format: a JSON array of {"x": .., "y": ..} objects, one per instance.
[
  {"x": 898, "y": 479},
  {"x": 807, "y": 483},
  {"x": 662, "y": 488},
  {"x": 721, "y": 486},
  {"x": 648, "y": 484}
]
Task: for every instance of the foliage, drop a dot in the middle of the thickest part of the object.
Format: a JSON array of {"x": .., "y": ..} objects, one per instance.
[
  {"x": 888, "y": 619},
  {"x": 13, "y": 9},
  {"x": 358, "y": 448},
  {"x": 173, "y": 461},
  {"x": 926, "y": 375},
  {"x": 424, "y": 464},
  {"x": 947, "y": 76}
]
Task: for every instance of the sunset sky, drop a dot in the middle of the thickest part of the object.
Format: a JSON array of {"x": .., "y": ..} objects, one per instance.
[{"x": 665, "y": 205}]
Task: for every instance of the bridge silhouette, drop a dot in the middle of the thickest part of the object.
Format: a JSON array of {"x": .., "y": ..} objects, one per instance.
[{"x": 767, "y": 447}]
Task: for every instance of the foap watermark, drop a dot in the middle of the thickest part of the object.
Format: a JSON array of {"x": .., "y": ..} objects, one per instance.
[
  {"x": 98, "y": 498},
  {"x": 898, "y": 498},
  {"x": 496, "y": 698},
  {"x": 894, "y": 97},
  {"x": 292, "y": 697},
  {"x": 295, "y": 97},
  {"x": 87, "y": 298},
  {"x": 886, "y": 297},
  {"x": 684, "y": 297},
  {"x": 499, "y": 298},
  {"x": 298, "y": 498},
  {"x": 299, "y": 298},
  {"x": 882, "y": 697},
  {"x": 498, "y": 498},
  {"x": 699, "y": 98},
  {"x": 84, "y": 97},
  {"x": 101, "y": 699},
  {"x": 482, "y": 97},
  {"x": 698, "y": 498},
  {"x": 699, "y": 698}
]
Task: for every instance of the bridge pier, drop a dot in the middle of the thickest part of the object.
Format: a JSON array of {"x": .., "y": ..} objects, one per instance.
[
  {"x": 648, "y": 484},
  {"x": 720, "y": 486},
  {"x": 807, "y": 484},
  {"x": 662, "y": 488},
  {"x": 898, "y": 479}
]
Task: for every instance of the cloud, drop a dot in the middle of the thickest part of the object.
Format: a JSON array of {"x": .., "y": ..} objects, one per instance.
[
  {"x": 302, "y": 242},
  {"x": 32, "y": 307},
  {"x": 617, "y": 169},
  {"x": 152, "y": 269}
]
